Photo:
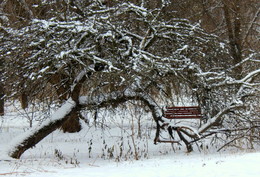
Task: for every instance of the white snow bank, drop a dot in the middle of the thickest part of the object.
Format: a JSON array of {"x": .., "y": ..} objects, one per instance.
[{"x": 239, "y": 165}]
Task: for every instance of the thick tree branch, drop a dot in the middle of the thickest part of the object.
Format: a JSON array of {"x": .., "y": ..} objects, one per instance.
[
  {"x": 62, "y": 114},
  {"x": 217, "y": 118},
  {"x": 30, "y": 139}
]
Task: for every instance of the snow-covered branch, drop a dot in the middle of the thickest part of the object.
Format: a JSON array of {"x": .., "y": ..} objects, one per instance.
[
  {"x": 218, "y": 117},
  {"x": 29, "y": 139},
  {"x": 231, "y": 81},
  {"x": 116, "y": 98}
]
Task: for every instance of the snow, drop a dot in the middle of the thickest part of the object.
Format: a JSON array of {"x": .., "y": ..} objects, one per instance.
[
  {"x": 182, "y": 165},
  {"x": 86, "y": 153},
  {"x": 59, "y": 114},
  {"x": 141, "y": 10},
  {"x": 44, "y": 69}
]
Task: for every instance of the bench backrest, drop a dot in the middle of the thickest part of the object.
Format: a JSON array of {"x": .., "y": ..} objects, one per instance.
[{"x": 191, "y": 112}]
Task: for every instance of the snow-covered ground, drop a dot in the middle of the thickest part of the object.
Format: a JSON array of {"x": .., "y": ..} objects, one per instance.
[
  {"x": 178, "y": 165},
  {"x": 111, "y": 151}
]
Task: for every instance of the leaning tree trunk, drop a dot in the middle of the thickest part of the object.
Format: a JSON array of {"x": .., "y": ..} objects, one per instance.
[
  {"x": 72, "y": 124},
  {"x": 59, "y": 117},
  {"x": 71, "y": 106},
  {"x": 30, "y": 141}
]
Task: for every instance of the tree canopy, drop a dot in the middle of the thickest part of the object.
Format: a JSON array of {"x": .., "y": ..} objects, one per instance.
[{"x": 103, "y": 53}]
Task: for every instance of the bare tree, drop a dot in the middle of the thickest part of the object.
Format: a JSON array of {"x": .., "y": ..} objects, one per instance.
[{"x": 100, "y": 55}]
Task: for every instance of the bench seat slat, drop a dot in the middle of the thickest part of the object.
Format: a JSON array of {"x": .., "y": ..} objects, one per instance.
[
  {"x": 177, "y": 111},
  {"x": 190, "y": 112},
  {"x": 184, "y": 107},
  {"x": 183, "y": 117}
]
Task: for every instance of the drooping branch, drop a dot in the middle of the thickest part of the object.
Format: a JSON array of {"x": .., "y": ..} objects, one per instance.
[{"x": 115, "y": 98}]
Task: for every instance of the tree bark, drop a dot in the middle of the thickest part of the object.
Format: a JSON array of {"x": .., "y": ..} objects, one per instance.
[
  {"x": 234, "y": 34},
  {"x": 2, "y": 110},
  {"x": 24, "y": 100},
  {"x": 69, "y": 109},
  {"x": 72, "y": 124},
  {"x": 188, "y": 145},
  {"x": 36, "y": 136}
]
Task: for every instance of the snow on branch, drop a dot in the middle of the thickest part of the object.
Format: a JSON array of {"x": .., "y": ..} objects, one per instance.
[
  {"x": 232, "y": 81},
  {"x": 118, "y": 97},
  {"x": 252, "y": 57},
  {"x": 32, "y": 137},
  {"x": 218, "y": 116}
]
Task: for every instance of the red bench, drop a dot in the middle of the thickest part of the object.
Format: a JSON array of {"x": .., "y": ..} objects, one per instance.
[
  {"x": 178, "y": 112},
  {"x": 191, "y": 112}
]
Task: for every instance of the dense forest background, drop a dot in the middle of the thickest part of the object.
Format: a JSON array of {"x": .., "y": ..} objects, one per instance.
[{"x": 87, "y": 55}]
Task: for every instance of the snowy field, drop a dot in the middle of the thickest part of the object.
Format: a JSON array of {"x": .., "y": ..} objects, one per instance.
[
  {"x": 112, "y": 150},
  {"x": 178, "y": 165}
]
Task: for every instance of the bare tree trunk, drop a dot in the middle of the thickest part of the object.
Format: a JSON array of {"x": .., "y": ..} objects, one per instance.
[
  {"x": 62, "y": 115},
  {"x": 72, "y": 125},
  {"x": 2, "y": 110},
  {"x": 38, "y": 135},
  {"x": 68, "y": 109},
  {"x": 24, "y": 100},
  {"x": 234, "y": 33}
]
